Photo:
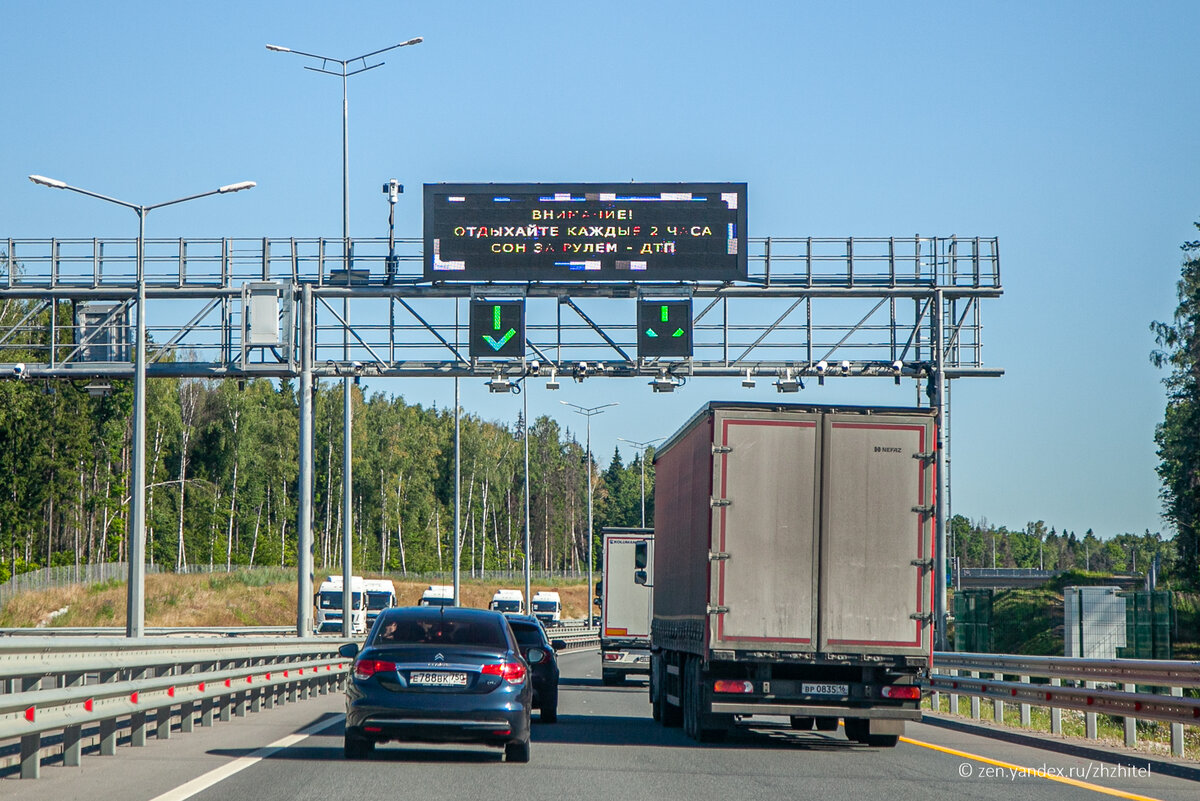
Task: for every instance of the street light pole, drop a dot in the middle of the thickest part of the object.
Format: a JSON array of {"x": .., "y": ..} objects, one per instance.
[
  {"x": 589, "y": 413},
  {"x": 347, "y": 392},
  {"x": 135, "y": 616},
  {"x": 642, "y": 446}
]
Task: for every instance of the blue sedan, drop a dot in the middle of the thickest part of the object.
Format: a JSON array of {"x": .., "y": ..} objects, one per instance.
[{"x": 438, "y": 674}]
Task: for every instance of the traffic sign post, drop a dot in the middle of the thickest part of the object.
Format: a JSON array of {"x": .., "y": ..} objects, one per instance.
[
  {"x": 497, "y": 328},
  {"x": 664, "y": 328}
]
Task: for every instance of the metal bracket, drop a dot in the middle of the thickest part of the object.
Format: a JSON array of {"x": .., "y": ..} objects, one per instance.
[
  {"x": 926, "y": 457},
  {"x": 925, "y": 563},
  {"x": 717, "y": 556},
  {"x": 717, "y": 610},
  {"x": 715, "y": 502},
  {"x": 923, "y": 510},
  {"x": 924, "y": 618},
  {"x": 718, "y": 449}
]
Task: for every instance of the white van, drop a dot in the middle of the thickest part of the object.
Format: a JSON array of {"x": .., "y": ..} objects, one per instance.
[
  {"x": 508, "y": 601},
  {"x": 437, "y": 595},
  {"x": 328, "y": 601},
  {"x": 547, "y": 607},
  {"x": 381, "y": 594}
]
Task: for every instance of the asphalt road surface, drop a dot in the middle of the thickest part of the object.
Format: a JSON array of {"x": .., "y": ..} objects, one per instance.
[{"x": 604, "y": 746}]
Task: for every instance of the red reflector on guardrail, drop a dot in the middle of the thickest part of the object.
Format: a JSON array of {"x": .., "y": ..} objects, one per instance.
[
  {"x": 249, "y": 679},
  {"x": 1014, "y": 692},
  {"x": 285, "y": 674},
  {"x": 1091, "y": 700},
  {"x": 228, "y": 682},
  {"x": 31, "y": 713},
  {"x": 268, "y": 677},
  {"x": 202, "y": 686},
  {"x": 89, "y": 704},
  {"x": 133, "y": 696},
  {"x": 1049, "y": 696},
  {"x": 170, "y": 692}
]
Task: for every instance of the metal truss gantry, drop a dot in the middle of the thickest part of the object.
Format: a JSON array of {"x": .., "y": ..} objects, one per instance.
[{"x": 810, "y": 308}]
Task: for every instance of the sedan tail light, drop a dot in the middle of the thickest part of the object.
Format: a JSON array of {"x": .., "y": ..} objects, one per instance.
[
  {"x": 366, "y": 668},
  {"x": 512, "y": 672}
]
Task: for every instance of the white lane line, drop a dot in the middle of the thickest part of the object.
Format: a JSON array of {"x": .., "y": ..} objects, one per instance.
[{"x": 202, "y": 783}]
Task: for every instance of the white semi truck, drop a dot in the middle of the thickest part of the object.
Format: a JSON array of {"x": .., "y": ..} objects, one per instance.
[
  {"x": 508, "y": 601},
  {"x": 547, "y": 607},
  {"x": 793, "y": 568},
  {"x": 626, "y": 591}
]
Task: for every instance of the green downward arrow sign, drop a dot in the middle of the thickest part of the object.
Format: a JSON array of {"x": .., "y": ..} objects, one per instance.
[
  {"x": 497, "y": 345},
  {"x": 678, "y": 332},
  {"x": 650, "y": 332}
]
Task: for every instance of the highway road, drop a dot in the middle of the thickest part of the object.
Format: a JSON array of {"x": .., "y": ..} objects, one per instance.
[{"x": 605, "y": 746}]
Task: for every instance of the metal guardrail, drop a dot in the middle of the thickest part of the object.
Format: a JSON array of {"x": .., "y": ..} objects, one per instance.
[
  {"x": 61, "y": 684},
  {"x": 153, "y": 631},
  {"x": 985, "y": 676}
]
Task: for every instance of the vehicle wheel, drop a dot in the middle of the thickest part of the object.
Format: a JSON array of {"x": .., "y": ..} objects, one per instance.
[
  {"x": 827, "y": 724},
  {"x": 357, "y": 747},
  {"x": 801, "y": 723},
  {"x": 516, "y": 752},
  {"x": 857, "y": 729},
  {"x": 610, "y": 677},
  {"x": 548, "y": 711},
  {"x": 882, "y": 740},
  {"x": 705, "y": 731}
]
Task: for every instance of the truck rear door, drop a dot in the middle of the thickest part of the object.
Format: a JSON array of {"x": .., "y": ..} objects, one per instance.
[
  {"x": 627, "y": 603},
  {"x": 764, "y": 550},
  {"x": 877, "y": 531}
]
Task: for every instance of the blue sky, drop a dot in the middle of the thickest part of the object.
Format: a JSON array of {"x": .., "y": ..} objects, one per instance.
[{"x": 1067, "y": 129}]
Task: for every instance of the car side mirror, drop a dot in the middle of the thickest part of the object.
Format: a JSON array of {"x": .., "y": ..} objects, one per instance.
[
  {"x": 639, "y": 577},
  {"x": 348, "y": 650},
  {"x": 558, "y": 645},
  {"x": 595, "y": 602}
]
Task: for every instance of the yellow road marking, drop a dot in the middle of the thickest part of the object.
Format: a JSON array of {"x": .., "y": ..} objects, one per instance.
[{"x": 1031, "y": 772}]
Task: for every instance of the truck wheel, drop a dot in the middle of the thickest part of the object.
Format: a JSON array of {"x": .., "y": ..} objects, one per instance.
[
  {"x": 882, "y": 740},
  {"x": 857, "y": 729},
  {"x": 801, "y": 723},
  {"x": 827, "y": 724},
  {"x": 610, "y": 677}
]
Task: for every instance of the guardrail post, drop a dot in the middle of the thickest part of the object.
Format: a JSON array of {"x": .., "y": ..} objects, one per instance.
[
  {"x": 1177, "y": 728},
  {"x": 1055, "y": 712},
  {"x": 207, "y": 711},
  {"x": 975, "y": 699},
  {"x": 226, "y": 704},
  {"x": 256, "y": 699},
  {"x": 1130, "y": 723},
  {"x": 162, "y": 723},
  {"x": 1025, "y": 721},
  {"x": 997, "y": 704},
  {"x": 1089, "y": 718},
  {"x": 108, "y": 726},
  {"x": 953, "y": 697},
  {"x": 72, "y": 737},
  {"x": 187, "y": 717},
  {"x": 31, "y": 756}
]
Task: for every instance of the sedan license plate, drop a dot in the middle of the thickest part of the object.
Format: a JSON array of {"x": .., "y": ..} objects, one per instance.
[
  {"x": 437, "y": 679},
  {"x": 824, "y": 689}
]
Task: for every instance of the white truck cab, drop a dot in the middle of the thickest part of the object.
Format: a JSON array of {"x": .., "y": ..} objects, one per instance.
[
  {"x": 437, "y": 595},
  {"x": 381, "y": 594},
  {"x": 508, "y": 601},
  {"x": 547, "y": 607},
  {"x": 329, "y": 605}
]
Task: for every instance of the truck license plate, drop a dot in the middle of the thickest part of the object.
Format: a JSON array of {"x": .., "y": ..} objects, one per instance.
[
  {"x": 825, "y": 689},
  {"x": 438, "y": 679}
]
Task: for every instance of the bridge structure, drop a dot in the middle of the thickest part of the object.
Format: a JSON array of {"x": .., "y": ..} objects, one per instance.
[{"x": 807, "y": 309}]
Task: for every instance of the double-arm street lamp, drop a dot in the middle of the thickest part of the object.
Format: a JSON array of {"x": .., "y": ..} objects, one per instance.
[
  {"x": 589, "y": 413},
  {"x": 345, "y": 71},
  {"x": 642, "y": 446},
  {"x": 135, "y": 617}
]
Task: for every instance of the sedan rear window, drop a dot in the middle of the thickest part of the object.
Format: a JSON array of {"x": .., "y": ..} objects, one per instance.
[
  {"x": 527, "y": 635},
  {"x": 439, "y": 631}
]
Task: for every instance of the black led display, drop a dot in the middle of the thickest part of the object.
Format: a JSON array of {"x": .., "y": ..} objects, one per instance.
[
  {"x": 585, "y": 232},
  {"x": 664, "y": 328},
  {"x": 497, "y": 328}
]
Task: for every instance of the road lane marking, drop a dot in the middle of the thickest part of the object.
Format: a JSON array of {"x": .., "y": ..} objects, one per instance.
[
  {"x": 1030, "y": 772},
  {"x": 202, "y": 783}
]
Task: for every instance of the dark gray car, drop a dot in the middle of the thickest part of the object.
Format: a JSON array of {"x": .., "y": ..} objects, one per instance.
[{"x": 431, "y": 674}]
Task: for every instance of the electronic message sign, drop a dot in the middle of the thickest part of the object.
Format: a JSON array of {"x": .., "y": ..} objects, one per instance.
[{"x": 585, "y": 232}]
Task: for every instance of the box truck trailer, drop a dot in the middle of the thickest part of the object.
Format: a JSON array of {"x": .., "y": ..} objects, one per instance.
[
  {"x": 793, "y": 568},
  {"x": 626, "y": 588}
]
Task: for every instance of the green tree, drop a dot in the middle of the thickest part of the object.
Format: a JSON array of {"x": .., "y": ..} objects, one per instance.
[{"x": 1176, "y": 436}]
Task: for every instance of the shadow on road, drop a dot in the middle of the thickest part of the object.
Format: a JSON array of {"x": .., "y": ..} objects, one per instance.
[{"x": 641, "y": 731}]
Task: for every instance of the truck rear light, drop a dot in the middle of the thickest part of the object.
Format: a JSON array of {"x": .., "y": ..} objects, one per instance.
[
  {"x": 733, "y": 686},
  {"x": 373, "y": 729},
  {"x": 512, "y": 672},
  {"x": 366, "y": 668},
  {"x": 611, "y": 657},
  {"x": 905, "y": 692}
]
